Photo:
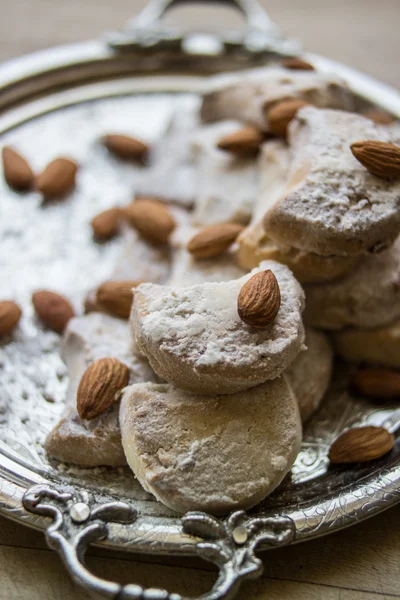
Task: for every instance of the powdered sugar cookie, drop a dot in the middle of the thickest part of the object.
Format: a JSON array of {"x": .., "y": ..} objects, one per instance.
[
  {"x": 331, "y": 204},
  {"x": 215, "y": 454},
  {"x": 254, "y": 245},
  {"x": 379, "y": 346},
  {"x": 247, "y": 95},
  {"x": 98, "y": 441},
  {"x": 171, "y": 174},
  {"x": 194, "y": 338},
  {"x": 226, "y": 186},
  {"x": 368, "y": 297},
  {"x": 310, "y": 373}
]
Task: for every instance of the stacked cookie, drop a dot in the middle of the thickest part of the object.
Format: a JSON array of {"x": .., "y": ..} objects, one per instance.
[{"x": 266, "y": 193}]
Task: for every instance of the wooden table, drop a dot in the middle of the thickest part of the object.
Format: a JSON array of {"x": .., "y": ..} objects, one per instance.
[{"x": 361, "y": 562}]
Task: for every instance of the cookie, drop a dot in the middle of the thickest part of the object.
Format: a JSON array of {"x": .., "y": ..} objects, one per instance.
[
  {"x": 379, "y": 346},
  {"x": 171, "y": 173},
  {"x": 310, "y": 373},
  {"x": 217, "y": 453},
  {"x": 367, "y": 298},
  {"x": 98, "y": 441},
  {"x": 193, "y": 336},
  {"x": 247, "y": 95},
  {"x": 254, "y": 245},
  {"x": 226, "y": 185},
  {"x": 331, "y": 204}
]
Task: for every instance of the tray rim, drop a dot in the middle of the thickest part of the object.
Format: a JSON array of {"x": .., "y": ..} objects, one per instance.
[{"x": 367, "y": 497}]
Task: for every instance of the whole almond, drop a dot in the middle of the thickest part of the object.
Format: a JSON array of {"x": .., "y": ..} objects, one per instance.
[
  {"x": 17, "y": 172},
  {"x": 126, "y": 147},
  {"x": 298, "y": 64},
  {"x": 151, "y": 219},
  {"x": 280, "y": 115},
  {"x": 105, "y": 225},
  {"x": 382, "y": 384},
  {"x": 52, "y": 309},
  {"x": 115, "y": 297},
  {"x": 58, "y": 178},
  {"x": 100, "y": 387},
  {"x": 10, "y": 314},
  {"x": 259, "y": 300},
  {"x": 213, "y": 240},
  {"x": 380, "y": 158},
  {"x": 380, "y": 117},
  {"x": 361, "y": 444},
  {"x": 244, "y": 142}
]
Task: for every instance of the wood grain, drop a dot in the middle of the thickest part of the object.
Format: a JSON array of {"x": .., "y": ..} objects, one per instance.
[{"x": 356, "y": 564}]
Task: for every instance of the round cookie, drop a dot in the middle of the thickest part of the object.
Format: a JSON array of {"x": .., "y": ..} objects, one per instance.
[
  {"x": 367, "y": 298},
  {"x": 379, "y": 346},
  {"x": 310, "y": 373},
  {"x": 307, "y": 267},
  {"x": 331, "y": 204},
  {"x": 215, "y": 454},
  {"x": 194, "y": 338}
]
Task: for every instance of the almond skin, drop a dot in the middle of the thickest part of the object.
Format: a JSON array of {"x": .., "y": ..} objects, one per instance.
[
  {"x": 244, "y": 142},
  {"x": 10, "y": 314},
  {"x": 151, "y": 219},
  {"x": 17, "y": 171},
  {"x": 52, "y": 309},
  {"x": 381, "y": 159},
  {"x": 297, "y": 64},
  {"x": 382, "y": 384},
  {"x": 214, "y": 240},
  {"x": 58, "y": 178},
  {"x": 280, "y": 115},
  {"x": 116, "y": 297},
  {"x": 259, "y": 300},
  {"x": 126, "y": 147},
  {"x": 105, "y": 225},
  {"x": 361, "y": 444},
  {"x": 100, "y": 387},
  {"x": 380, "y": 117}
]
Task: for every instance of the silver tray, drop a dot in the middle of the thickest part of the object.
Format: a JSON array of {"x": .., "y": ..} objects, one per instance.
[{"x": 59, "y": 102}]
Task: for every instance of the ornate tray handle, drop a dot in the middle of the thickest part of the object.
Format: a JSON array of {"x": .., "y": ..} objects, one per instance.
[
  {"x": 261, "y": 37},
  {"x": 77, "y": 521}
]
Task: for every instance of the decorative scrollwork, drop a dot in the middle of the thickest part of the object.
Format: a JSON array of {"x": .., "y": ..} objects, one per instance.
[{"x": 77, "y": 521}]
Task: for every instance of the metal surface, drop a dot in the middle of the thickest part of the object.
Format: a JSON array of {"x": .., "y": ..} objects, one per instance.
[{"x": 61, "y": 102}]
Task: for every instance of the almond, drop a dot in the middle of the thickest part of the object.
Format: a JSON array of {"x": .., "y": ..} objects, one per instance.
[
  {"x": 53, "y": 309},
  {"x": 280, "y": 115},
  {"x": 126, "y": 147},
  {"x": 298, "y": 64},
  {"x": 58, "y": 178},
  {"x": 244, "y": 142},
  {"x": 100, "y": 387},
  {"x": 17, "y": 171},
  {"x": 214, "y": 240},
  {"x": 383, "y": 384},
  {"x": 361, "y": 445},
  {"x": 259, "y": 300},
  {"x": 105, "y": 225},
  {"x": 379, "y": 158},
  {"x": 380, "y": 117},
  {"x": 151, "y": 219},
  {"x": 10, "y": 314},
  {"x": 116, "y": 297}
]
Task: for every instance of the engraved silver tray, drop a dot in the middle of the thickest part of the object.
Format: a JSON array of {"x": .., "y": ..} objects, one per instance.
[{"x": 59, "y": 102}]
